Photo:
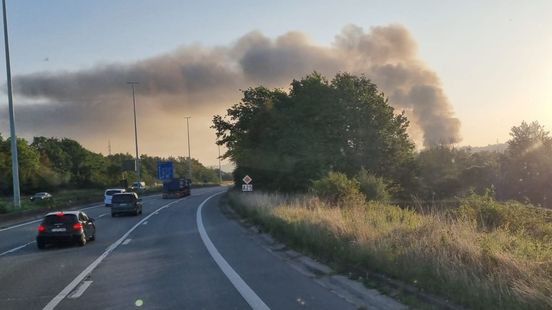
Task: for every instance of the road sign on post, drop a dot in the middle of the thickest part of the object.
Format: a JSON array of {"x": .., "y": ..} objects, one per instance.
[
  {"x": 164, "y": 170},
  {"x": 247, "y": 187}
]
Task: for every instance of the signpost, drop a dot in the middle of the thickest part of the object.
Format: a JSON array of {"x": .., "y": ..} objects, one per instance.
[
  {"x": 247, "y": 187},
  {"x": 164, "y": 170}
]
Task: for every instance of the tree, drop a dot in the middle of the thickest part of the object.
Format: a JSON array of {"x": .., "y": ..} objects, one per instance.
[
  {"x": 286, "y": 140},
  {"x": 526, "y": 169}
]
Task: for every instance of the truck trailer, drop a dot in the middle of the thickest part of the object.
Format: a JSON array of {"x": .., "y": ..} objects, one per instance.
[{"x": 176, "y": 188}]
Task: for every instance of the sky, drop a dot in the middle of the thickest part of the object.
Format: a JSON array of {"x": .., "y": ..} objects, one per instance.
[{"x": 492, "y": 58}]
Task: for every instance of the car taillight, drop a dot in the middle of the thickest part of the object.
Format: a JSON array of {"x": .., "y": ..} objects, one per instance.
[
  {"x": 77, "y": 226},
  {"x": 41, "y": 227}
]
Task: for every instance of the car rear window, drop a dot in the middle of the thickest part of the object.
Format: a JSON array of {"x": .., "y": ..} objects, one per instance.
[
  {"x": 123, "y": 198},
  {"x": 110, "y": 193},
  {"x": 66, "y": 219}
]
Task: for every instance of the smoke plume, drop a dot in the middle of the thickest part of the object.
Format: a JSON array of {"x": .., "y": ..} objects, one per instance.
[{"x": 202, "y": 81}]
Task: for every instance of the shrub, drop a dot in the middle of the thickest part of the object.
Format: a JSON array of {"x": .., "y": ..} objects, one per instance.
[
  {"x": 337, "y": 189},
  {"x": 373, "y": 187},
  {"x": 513, "y": 216}
]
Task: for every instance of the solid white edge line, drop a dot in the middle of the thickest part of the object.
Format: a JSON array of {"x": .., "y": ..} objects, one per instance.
[
  {"x": 254, "y": 301},
  {"x": 78, "y": 293},
  {"x": 71, "y": 286},
  {"x": 36, "y": 221}
]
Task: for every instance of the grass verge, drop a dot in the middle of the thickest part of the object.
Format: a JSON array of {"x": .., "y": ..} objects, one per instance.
[{"x": 484, "y": 255}]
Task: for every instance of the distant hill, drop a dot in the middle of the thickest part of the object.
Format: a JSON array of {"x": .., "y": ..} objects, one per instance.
[{"x": 499, "y": 148}]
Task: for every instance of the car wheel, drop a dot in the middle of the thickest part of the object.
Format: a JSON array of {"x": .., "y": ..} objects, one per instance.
[
  {"x": 82, "y": 240},
  {"x": 40, "y": 245},
  {"x": 93, "y": 237}
]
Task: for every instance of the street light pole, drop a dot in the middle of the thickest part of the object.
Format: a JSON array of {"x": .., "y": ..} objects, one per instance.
[
  {"x": 137, "y": 159},
  {"x": 189, "y": 153},
  {"x": 15, "y": 164},
  {"x": 220, "y": 169}
]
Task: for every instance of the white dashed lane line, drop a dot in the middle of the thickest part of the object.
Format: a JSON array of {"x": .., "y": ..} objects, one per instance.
[
  {"x": 15, "y": 249},
  {"x": 88, "y": 270},
  {"x": 127, "y": 241}
]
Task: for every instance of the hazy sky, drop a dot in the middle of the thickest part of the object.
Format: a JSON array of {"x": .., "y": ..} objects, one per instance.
[{"x": 494, "y": 59}]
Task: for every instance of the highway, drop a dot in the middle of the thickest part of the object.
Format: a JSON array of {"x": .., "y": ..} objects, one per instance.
[{"x": 179, "y": 254}]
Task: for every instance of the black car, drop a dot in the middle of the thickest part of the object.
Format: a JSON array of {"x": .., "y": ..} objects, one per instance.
[
  {"x": 126, "y": 203},
  {"x": 69, "y": 226}
]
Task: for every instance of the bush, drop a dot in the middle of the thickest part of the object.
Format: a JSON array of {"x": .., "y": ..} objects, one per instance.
[
  {"x": 512, "y": 216},
  {"x": 337, "y": 188},
  {"x": 373, "y": 187}
]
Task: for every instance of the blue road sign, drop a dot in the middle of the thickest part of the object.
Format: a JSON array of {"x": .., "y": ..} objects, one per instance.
[{"x": 164, "y": 170}]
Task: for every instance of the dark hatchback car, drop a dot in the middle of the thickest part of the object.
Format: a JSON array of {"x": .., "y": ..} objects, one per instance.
[
  {"x": 126, "y": 203},
  {"x": 69, "y": 226}
]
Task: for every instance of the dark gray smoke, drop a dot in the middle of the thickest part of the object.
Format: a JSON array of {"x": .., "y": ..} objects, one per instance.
[{"x": 204, "y": 81}]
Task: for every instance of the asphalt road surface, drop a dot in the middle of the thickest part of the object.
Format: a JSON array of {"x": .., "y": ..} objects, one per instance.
[{"x": 170, "y": 257}]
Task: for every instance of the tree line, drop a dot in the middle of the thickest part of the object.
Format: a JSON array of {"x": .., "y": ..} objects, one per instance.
[
  {"x": 287, "y": 140},
  {"x": 50, "y": 164}
]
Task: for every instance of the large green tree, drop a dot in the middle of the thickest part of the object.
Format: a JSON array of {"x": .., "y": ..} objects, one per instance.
[{"x": 286, "y": 140}]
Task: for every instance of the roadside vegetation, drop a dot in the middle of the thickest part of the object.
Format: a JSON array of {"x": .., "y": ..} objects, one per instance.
[
  {"x": 342, "y": 180},
  {"x": 483, "y": 254},
  {"x": 72, "y": 173}
]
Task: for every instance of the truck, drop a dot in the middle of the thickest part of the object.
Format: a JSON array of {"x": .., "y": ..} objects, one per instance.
[{"x": 176, "y": 188}]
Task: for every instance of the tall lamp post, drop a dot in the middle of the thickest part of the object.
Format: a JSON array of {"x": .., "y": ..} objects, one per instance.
[
  {"x": 137, "y": 159},
  {"x": 220, "y": 167},
  {"x": 189, "y": 153},
  {"x": 13, "y": 136}
]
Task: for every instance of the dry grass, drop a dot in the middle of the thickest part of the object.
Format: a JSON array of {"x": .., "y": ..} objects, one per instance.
[{"x": 457, "y": 255}]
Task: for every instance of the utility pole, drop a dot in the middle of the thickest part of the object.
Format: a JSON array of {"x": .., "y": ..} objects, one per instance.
[
  {"x": 109, "y": 146},
  {"x": 137, "y": 159},
  {"x": 220, "y": 170},
  {"x": 189, "y": 153},
  {"x": 13, "y": 136}
]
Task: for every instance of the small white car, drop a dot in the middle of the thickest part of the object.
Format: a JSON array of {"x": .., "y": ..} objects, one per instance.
[{"x": 109, "y": 194}]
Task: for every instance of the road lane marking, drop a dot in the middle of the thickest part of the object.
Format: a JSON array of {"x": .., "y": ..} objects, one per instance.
[
  {"x": 87, "y": 208},
  {"x": 80, "y": 290},
  {"x": 127, "y": 241},
  {"x": 19, "y": 225},
  {"x": 145, "y": 223},
  {"x": 15, "y": 249},
  {"x": 247, "y": 293},
  {"x": 102, "y": 215},
  {"x": 71, "y": 286}
]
